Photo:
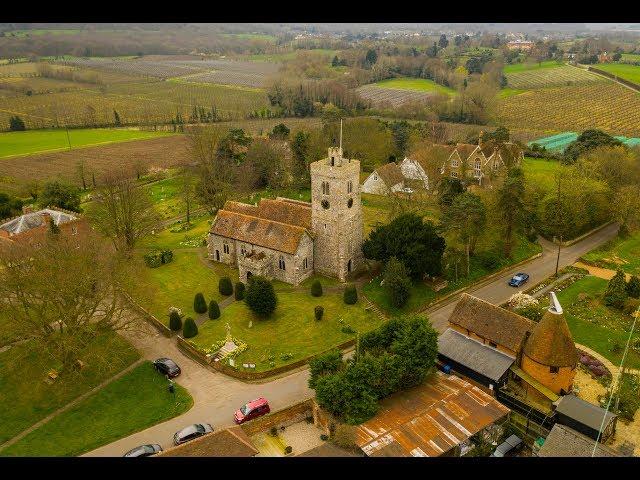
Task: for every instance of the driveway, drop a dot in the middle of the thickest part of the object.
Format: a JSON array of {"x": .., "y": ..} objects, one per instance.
[{"x": 216, "y": 396}]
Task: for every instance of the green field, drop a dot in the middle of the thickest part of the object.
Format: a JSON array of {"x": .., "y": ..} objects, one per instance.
[
  {"x": 525, "y": 66},
  {"x": 622, "y": 70},
  {"x": 417, "y": 84},
  {"x": 618, "y": 253},
  {"x": 166, "y": 195},
  {"x": 292, "y": 328},
  {"x": 630, "y": 57},
  {"x": 28, "y": 142},
  {"x": 130, "y": 404},
  {"x": 540, "y": 171},
  {"x": 251, "y": 36}
]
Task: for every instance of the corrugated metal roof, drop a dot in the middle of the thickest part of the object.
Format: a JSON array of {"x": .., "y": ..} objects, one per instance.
[{"x": 430, "y": 419}]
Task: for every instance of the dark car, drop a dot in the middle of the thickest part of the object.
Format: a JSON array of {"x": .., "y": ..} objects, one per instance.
[
  {"x": 519, "y": 279},
  {"x": 166, "y": 366},
  {"x": 255, "y": 408},
  {"x": 191, "y": 432},
  {"x": 144, "y": 450},
  {"x": 511, "y": 444}
]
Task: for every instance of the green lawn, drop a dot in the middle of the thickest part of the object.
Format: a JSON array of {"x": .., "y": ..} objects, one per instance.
[
  {"x": 419, "y": 84},
  {"x": 618, "y": 253},
  {"x": 622, "y": 70},
  {"x": 594, "y": 325},
  {"x": 176, "y": 283},
  {"x": 166, "y": 195},
  {"x": 34, "y": 141},
  {"x": 509, "y": 92},
  {"x": 292, "y": 328},
  {"x": 540, "y": 171},
  {"x": 27, "y": 398},
  {"x": 172, "y": 240},
  {"x": 130, "y": 404},
  {"x": 522, "y": 67}
]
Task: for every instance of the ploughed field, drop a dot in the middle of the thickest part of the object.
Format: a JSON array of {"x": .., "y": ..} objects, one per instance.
[
  {"x": 551, "y": 77},
  {"x": 398, "y": 91}
]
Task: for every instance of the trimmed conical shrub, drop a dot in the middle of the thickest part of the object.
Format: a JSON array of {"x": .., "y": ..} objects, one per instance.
[
  {"x": 261, "y": 297},
  {"x": 318, "y": 312},
  {"x": 225, "y": 287},
  {"x": 633, "y": 287},
  {"x": 214, "y": 310},
  {"x": 190, "y": 328},
  {"x": 316, "y": 288},
  {"x": 239, "y": 291},
  {"x": 616, "y": 292},
  {"x": 350, "y": 295},
  {"x": 175, "y": 322},
  {"x": 199, "y": 303}
]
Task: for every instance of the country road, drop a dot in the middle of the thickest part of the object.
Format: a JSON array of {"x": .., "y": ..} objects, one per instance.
[{"x": 216, "y": 396}]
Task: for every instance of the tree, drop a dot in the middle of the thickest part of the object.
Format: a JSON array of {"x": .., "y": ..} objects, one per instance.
[
  {"x": 239, "y": 290},
  {"x": 16, "y": 124},
  {"x": 510, "y": 206},
  {"x": 267, "y": 164},
  {"x": 66, "y": 295},
  {"x": 397, "y": 282},
  {"x": 316, "y": 288},
  {"x": 350, "y": 295},
  {"x": 616, "y": 293},
  {"x": 190, "y": 328},
  {"x": 116, "y": 118},
  {"x": 411, "y": 240},
  {"x": 175, "y": 321},
  {"x": 335, "y": 62},
  {"x": 123, "y": 211},
  {"x": 324, "y": 364},
  {"x": 401, "y": 131},
  {"x": 62, "y": 195},
  {"x": 300, "y": 148},
  {"x": 54, "y": 229},
  {"x": 279, "y": 132},
  {"x": 199, "y": 303},
  {"x": 473, "y": 65},
  {"x": 261, "y": 297},
  {"x": 466, "y": 219},
  {"x": 416, "y": 347},
  {"x": 616, "y": 56},
  {"x": 588, "y": 140},
  {"x": 318, "y": 312},
  {"x": 187, "y": 193},
  {"x": 443, "y": 42},
  {"x": 214, "y": 310},
  {"x": 9, "y": 206},
  {"x": 633, "y": 287},
  {"x": 80, "y": 168},
  {"x": 371, "y": 57},
  {"x": 225, "y": 287},
  {"x": 449, "y": 189}
]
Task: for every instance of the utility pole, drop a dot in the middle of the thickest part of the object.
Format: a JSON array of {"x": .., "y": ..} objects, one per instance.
[{"x": 68, "y": 139}]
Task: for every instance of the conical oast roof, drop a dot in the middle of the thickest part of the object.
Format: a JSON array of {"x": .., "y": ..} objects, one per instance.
[{"x": 550, "y": 342}]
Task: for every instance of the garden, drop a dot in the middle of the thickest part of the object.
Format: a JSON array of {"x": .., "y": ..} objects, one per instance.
[{"x": 621, "y": 252}]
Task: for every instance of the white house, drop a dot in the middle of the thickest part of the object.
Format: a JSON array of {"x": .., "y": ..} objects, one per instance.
[{"x": 384, "y": 180}]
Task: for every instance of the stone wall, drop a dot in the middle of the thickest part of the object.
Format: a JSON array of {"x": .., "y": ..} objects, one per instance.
[
  {"x": 375, "y": 185},
  {"x": 216, "y": 243},
  {"x": 284, "y": 417}
]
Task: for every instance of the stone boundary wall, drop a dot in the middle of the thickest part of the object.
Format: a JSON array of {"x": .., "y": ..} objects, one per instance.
[
  {"x": 283, "y": 417},
  {"x": 161, "y": 327}
]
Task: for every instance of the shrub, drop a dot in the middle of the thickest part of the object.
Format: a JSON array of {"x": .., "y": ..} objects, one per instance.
[
  {"x": 152, "y": 259},
  {"x": 166, "y": 256},
  {"x": 239, "y": 291},
  {"x": 316, "y": 288},
  {"x": 348, "y": 329},
  {"x": 214, "y": 310},
  {"x": 199, "y": 303},
  {"x": 397, "y": 282},
  {"x": 350, "y": 295},
  {"x": 633, "y": 287},
  {"x": 345, "y": 436},
  {"x": 532, "y": 312},
  {"x": 630, "y": 305},
  {"x": 225, "y": 287},
  {"x": 190, "y": 328},
  {"x": 616, "y": 292},
  {"x": 489, "y": 260},
  {"x": 319, "y": 312},
  {"x": 175, "y": 321},
  {"x": 261, "y": 297}
]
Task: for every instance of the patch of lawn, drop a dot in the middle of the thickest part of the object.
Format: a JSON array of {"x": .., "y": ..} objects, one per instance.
[
  {"x": 7, "y": 332},
  {"x": 130, "y": 404},
  {"x": 618, "y": 253},
  {"x": 34, "y": 141},
  {"x": 622, "y": 70},
  {"x": 166, "y": 239},
  {"x": 166, "y": 195},
  {"x": 595, "y": 325},
  {"x": 524, "y": 66},
  {"x": 419, "y": 84},
  {"x": 292, "y": 329},
  {"x": 540, "y": 171},
  {"x": 175, "y": 284},
  {"x": 27, "y": 398}
]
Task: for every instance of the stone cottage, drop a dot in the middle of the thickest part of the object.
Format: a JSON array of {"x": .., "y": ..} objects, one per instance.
[{"x": 384, "y": 180}]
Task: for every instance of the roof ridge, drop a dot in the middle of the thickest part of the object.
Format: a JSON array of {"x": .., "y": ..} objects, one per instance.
[
  {"x": 232, "y": 431},
  {"x": 262, "y": 218}
]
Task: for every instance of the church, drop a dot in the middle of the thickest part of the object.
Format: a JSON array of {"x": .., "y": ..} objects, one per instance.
[{"x": 289, "y": 240}]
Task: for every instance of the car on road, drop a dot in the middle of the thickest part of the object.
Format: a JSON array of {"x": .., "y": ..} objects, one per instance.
[
  {"x": 511, "y": 444},
  {"x": 519, "y": 279},
  {"x": 191, "y": 432},
  {"x": 251, "y": 410},
  {"x": 144, "y": 450},
  {"x": 166, "y": 366}
]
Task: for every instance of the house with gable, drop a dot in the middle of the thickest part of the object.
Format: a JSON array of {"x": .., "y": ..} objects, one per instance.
[{"x": 384, "y": 180}]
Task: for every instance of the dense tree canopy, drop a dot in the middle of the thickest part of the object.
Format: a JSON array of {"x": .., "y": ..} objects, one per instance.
[
  {"x": 62, "y": 195},
  {"x": 588, "y": 140}
]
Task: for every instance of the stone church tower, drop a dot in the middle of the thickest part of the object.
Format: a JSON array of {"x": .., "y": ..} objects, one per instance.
[{"x": 336, "y": 215}]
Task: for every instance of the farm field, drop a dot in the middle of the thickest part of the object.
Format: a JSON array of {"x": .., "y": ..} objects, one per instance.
[
  {"x": 163, "y": 152},
  {"x": 550, "y": 77},
  {"x": 621, "y": 253},
  {"x": 35, "y": 141},
  {"x": 604, "y": 105},
  {"x": 622, "y": 70},
  {"x": 630, "y": 57},
  {"x": 559, "y": 142},
  {"x": 281, "y": 57},
  {"x": 417, "y": 84},
  {"x": 526, "y": 66},
  {"x": 381, "y": 96}
]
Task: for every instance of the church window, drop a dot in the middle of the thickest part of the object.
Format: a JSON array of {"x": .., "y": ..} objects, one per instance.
[
  {"x": 349, "y": 187},
  {"x": 325, "y": 227},
  {"x": 332, "y": 161},
  {"x": 350, "y": 203},
  {"x": 454, "y": 174},
  {"x": 325, "y": 204},
  {"x": 225, "y": 248},
  {"x": 325, "y": 188},
  {"x": 281, "y": 263},
  {"x": 305, "y": 264},
  {"x": 375, "y": 176},
  {"x": 243, "y": 249},
  {"x": 554, "y": 369}
]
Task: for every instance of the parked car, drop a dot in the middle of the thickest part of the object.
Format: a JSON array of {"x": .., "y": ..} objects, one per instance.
[
  {"x": 251, "y": 410},
  {"x": 519, "y": 279},
  {"x": 191, "y": 432},
  {"x": 166, "y": 366},
  {"x": 144, "y": 450},
  {"x": 511, "y": 444}
]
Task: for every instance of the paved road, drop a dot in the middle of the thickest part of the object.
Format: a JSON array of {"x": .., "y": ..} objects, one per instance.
[{"x": 216, "y": 396}]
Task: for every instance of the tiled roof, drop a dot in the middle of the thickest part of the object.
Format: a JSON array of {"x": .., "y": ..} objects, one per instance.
[
  {"x": 228, "y": 442},
  {"x": 281, "y": 210},
  {"x": 429, "y": 420},
  {"x": 491, "y": 322},
  {"x": 277, "y": 236},
  {"x": 563, "y": 441},
  {"x": 472, "y": 354},
  {"x": 31, "y": 220},
  {"x": 551, "y": 343},
  {"x": 390, "y": 174},
  {"x": 436, "y": 153},
  {"x": 465, "y": 149}
]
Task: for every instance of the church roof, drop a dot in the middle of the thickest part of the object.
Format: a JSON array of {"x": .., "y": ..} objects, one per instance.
[
  {"x": 489, "y": 321},
  {"x": 436, "y": 153},
  {"x": 550, "y": 342},
  {"x": 390, "y": 174},
  {"x": 279, "y": 210}
]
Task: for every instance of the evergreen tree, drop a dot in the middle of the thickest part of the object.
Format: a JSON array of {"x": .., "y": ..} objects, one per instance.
[
  {"x": 335, "y": 62},
  {"x": 316, "y": 288},
  {"x": 443, "y": 42},
  {"x": 199, "y": 303},
  {"x": 190, "y": 328},
  {"x": 239, "y": 291},
  {"x": 397, "y": 282},
  {"x": 175, "y": 322},
  {"x": 616, "y": 293},
  {"x": 633, "y": 287},
  {"x": 261, "y": 297},
  {"x": 318, "y": 312},
  {"x": 225, "y": 287},
  {"x": 350, "y": 295},
  {"x": 16, "y": 124},
  {"x": 214, "y": 310}
]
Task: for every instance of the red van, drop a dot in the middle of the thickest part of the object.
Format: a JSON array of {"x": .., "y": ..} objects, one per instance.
[{"x": 251, "y": 410}]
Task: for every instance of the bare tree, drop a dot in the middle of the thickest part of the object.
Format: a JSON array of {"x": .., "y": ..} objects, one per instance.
[
  {"x": 123, "y": 211},
  {"x": 80, "y": 168},
  {"x": 187, "y": 192}
]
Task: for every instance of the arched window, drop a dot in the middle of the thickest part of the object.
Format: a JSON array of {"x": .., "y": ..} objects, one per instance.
[
  {"x": 281, "y": 263},
  {"x": 349, "y": 187},
  {"x": 325, "y": 188},
  {"x": 305, "y": 264},
  {"x": 243, "y": 249},
  {"x": 225, "y": 247}
]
